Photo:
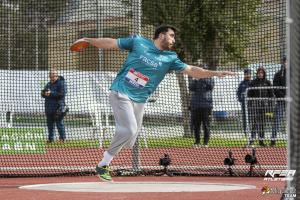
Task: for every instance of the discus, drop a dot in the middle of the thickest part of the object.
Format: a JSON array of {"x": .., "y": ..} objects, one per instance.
[{"x": 79, "y": 46}]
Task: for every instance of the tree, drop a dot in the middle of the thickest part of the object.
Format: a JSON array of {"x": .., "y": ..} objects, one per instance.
[
  {"x": 212, "y": 31},
  {"x": 29, "y": 25},
  {"x": 7, "y": 13}
]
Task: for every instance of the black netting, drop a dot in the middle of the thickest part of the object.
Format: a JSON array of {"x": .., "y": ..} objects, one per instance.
[
  {"x": 294, "y": 93},
  {"x": 221, "y": 35}
]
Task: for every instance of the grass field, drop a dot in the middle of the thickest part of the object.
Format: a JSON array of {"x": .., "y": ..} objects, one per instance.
[
  {"x": 178, "y": 142},
  {"x": 230, "y": 124},
  {"x": 229, "y": 128},
  {"x": 22, "y": 140},
  {"x": 38, "y": 120}
]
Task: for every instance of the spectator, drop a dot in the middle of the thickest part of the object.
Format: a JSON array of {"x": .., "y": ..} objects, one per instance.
[
  {"x": 201, "y": 108},
  {"x": 280, "y": 107},
  {"x": 55, "y": 107},
  {"x": 241, "y": 92},
  {"x": 259, "y": 105}
]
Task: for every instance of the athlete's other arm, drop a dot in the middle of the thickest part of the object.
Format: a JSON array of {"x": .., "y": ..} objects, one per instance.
[
  {"x": 198, "y": 72},
  {"x": 101, "y": 43}
]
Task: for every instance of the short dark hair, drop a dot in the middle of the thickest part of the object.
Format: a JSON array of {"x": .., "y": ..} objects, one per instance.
[
  {"x": 247, "y": 71},
  {"x": 163, "y": 29}
]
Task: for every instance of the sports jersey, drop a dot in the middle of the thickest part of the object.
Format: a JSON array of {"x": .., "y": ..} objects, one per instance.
[{"x": 144, "y": 68}]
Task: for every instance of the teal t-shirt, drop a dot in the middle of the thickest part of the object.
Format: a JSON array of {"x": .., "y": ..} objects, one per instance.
[{"x": 144, "y": 68}]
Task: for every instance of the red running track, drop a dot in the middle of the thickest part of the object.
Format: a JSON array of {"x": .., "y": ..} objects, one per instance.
[
  {"x": 60, "y": 160},
  {"x": 9, "y": 189}
]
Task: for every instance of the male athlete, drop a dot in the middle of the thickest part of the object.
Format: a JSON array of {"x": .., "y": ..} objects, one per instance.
[{"x": 145, "y": 67}]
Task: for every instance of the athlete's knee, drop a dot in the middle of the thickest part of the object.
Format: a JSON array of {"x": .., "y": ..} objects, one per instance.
[
  {"x": 133, "y": 129},
  {"x": 128, "y": 131}
]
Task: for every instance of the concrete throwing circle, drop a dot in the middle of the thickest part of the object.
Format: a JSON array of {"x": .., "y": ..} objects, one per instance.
[{"x": 138, "y": 187}]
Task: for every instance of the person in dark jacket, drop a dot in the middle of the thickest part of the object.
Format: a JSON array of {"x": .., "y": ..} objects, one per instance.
[
  {"x": 260, "y": 94},
  {"x": 279, "y": 82},
  {"x": 241, "y": 92},
  {"x": 54, "y": 93},
  {"x": 201, "y": 107}
]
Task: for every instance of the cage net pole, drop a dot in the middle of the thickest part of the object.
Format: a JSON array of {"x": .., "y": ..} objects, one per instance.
[
  {"x": 137, "y": 27},
  {"x": 294, "y": 134},
  {"x": 100, "y": 30}
]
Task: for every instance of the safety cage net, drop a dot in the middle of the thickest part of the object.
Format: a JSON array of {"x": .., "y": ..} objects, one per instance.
[{"x": 244, "y": 129}]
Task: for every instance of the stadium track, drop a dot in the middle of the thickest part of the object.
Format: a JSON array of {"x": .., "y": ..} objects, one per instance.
[{"x": 9, "y": 189}]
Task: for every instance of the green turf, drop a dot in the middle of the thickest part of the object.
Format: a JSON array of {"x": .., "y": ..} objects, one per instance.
[
  {"x": 188, "y": 142},
  {"x": 22, "y": 140},
  {"x": 228, "y": 124},
  {"x": 75, "y": 144},
  {"x": 38, "y": 120},
  {"x": 178, "y": 142},
  {"x": 228, "y": 127}
]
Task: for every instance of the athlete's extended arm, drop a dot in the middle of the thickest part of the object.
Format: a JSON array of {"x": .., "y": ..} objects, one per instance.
[
  {"x": 101, "y": 43},
  {"x": 197, "y": 72}
]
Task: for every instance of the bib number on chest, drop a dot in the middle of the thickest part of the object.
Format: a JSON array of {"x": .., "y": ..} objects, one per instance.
[{"x": 136, "y": 79}]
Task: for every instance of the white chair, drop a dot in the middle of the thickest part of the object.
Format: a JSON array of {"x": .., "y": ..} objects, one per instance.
[
  {"x": 99, "y": 114},
  {"x": 6, "y": 119}
]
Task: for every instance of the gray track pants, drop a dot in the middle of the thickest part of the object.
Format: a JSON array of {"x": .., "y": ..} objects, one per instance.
[{"x": 128, "y": 117}]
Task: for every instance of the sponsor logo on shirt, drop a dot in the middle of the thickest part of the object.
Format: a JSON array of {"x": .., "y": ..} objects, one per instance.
[{"x": 149, "y": 61}]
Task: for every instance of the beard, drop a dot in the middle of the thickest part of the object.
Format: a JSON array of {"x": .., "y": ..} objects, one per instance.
[{"x": 166, "y": 45}]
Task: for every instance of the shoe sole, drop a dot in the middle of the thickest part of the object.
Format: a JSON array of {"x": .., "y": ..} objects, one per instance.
[{"x": 103, "y": 179}]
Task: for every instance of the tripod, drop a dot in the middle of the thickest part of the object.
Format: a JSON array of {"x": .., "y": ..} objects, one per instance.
[
  {"x": 229, "y": 161},
  {"x": 163, "y": 172},
  {"x": 230, "y": 171},
  {"x": 165, "y": 162},
  {"x": 252, "y": 160},
  {"x": 251, "y": 170}
]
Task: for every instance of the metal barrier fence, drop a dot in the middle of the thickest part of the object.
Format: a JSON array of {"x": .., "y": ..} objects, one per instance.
[{"x": 265, "y": 117}]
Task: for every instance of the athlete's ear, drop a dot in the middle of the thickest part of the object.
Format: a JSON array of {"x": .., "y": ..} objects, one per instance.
[{"x": 161, "y": 36}]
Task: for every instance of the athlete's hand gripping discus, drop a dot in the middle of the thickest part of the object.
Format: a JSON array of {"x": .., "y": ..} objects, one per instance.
[{"x": 79, "y": 45}]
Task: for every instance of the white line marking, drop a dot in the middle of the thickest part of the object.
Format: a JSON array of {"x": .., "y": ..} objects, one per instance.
[{"x": 133, "y": 187}]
